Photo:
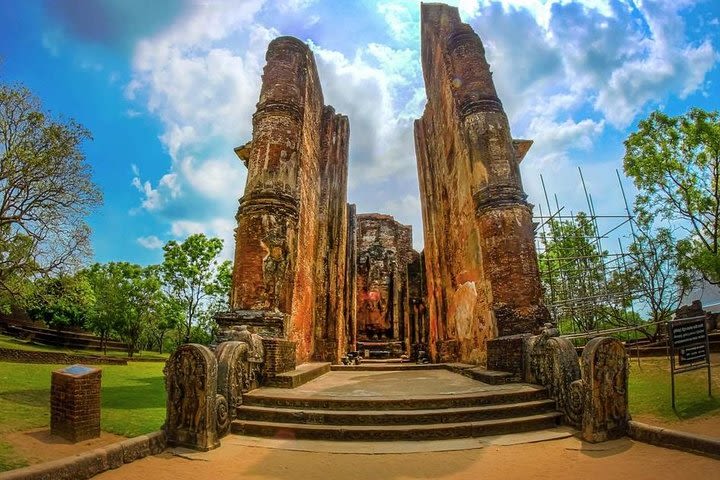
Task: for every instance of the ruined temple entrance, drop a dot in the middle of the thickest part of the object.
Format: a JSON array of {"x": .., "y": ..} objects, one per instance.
[
  {"x": 387, "y": 293},
  {"x": 314, "y": 281},
  {"x": 318, "y": 280}
]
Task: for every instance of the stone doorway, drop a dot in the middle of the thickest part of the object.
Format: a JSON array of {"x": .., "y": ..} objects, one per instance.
[{"x": 387, "y": 292}]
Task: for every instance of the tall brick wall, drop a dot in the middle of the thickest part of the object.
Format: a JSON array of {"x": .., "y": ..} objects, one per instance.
[
  {"x": 75, "y": 404},
  {"x": 481, "y": 270},
  {"x": 350, "y": 290},
  {"x": 291, "y": 233}
]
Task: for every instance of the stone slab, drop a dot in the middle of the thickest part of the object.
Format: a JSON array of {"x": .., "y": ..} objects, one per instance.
[
  {"x": 665, "y": 437},
  {"x": 404, "y": 384},
  {"x": 401, "y": 447},
  {"x": 301, "y": 375},
  {"x": 492, "y": 377}
]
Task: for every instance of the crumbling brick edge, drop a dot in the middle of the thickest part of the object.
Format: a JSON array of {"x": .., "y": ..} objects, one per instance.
[
  {"x": 60, "y": 358},
  {"x": 665, "y": 437},
  {"x": 94, "y": 462}
]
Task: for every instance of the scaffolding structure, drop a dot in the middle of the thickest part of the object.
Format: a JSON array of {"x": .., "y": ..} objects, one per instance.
[{"x": 583, "y": 264}]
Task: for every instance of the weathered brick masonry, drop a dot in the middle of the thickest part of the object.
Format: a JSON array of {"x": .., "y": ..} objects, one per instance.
[
  {"x": 384, "y": 252},
  {"x": 481, "y": 269},
  {"x": 279, "y": 356},
  {"x": 310, "y": 271},
  {"x": 291, "y": 238},
  {"x": 75, "y": 404},
  {"x": 27, "y": 356}
]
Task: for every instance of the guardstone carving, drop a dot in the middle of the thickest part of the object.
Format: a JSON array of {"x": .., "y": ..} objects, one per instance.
[
  {"x": 191, "y": 385},
  {"x": 240, "y": 366},
  {"x": 554, "y": 364},
  {"x": 232, "y": 372},
  {"x": 605, "y": 373}
]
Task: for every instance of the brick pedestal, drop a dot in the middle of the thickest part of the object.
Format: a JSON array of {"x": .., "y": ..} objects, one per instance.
[
  {"x": 505, "y": 354},
  {"x": 279, "y": 356},
  {"x": 75, "y": 403}
]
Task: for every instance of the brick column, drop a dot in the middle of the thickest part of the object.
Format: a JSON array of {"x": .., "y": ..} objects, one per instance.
[{"x": 75, "y": 403}]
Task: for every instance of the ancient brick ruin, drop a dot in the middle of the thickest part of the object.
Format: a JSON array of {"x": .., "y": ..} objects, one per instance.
[
  {"x": 289, "y": 278},
  {"x": 311, "y": 272},
  {"x": 316, "y": 283},
  {"x": 384, "y": 255},
  {"x": 481, "y": 268}
]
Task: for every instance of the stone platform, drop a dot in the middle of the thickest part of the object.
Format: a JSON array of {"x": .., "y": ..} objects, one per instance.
[{"x": 394, "y": 405}]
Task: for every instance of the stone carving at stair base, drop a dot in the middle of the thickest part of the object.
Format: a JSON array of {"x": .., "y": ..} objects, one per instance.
[
  {"x": 191, "y": 386},
  {"x": 591, "y": 393}
]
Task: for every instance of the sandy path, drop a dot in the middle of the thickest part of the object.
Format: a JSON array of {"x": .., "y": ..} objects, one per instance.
[
  {"x": 38, "y": 446},
  {"x": 565, "y": 459}
]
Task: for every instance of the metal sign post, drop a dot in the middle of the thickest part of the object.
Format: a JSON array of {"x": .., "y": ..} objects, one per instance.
[{"x": 689, "y": 337}]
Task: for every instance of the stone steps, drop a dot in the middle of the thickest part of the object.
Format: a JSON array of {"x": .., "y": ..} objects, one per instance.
[
  {"x": 385, "y": 360},
  {"x": 491, "y": 377},
  {"x": 434, "y": 431},
  {"x": 524, "y": 393},
  {"x": 394, "y": 417},
  {"x": 498, "y": 410},
  {"x": 386, "y": 367},
  {"x": 301, "y": 375}
]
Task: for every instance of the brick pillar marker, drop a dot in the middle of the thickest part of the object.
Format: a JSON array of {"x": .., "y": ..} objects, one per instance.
[{"x": 75, "y": 403}]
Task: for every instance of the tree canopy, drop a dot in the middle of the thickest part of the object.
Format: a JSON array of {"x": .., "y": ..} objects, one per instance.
[
  {"x": 46, "y": 191},
  {"x": 194, "y": 276},
  {"x": 675, "y": 164}
]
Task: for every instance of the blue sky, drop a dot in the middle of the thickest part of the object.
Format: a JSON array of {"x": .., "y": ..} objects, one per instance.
[{"x": 168, "y": 89}]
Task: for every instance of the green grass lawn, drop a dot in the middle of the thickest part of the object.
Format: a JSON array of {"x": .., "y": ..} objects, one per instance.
[
  {"x": 650, "y": 391},
  {"x": 133, "y": 400}
]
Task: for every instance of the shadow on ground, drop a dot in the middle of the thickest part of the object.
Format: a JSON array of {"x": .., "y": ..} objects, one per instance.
[
  {"x": 38, "y": 397},
  {"x": 141, "y": 393}
]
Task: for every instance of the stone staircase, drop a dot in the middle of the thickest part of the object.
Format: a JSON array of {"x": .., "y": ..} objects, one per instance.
[{"x": 498, "y": 410}]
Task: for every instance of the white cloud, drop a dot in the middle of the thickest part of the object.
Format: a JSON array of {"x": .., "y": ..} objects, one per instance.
[
  {"x": 150, "y": 242},
  {"x": 369, "y": 89},
  {"x": 155, "y": 198},
  {"x": 51, "y": 42},
  {"x": 213, "y": 227},
  {"x": 568, "y": 72},
  {"x": 401, "y": 17},
  {"x": 200, "y": 77}
]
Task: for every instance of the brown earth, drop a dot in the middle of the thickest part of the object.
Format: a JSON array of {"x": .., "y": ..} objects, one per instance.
[
  {"x": 567, "y": 458},
  {"x": 38, "y": 446}
]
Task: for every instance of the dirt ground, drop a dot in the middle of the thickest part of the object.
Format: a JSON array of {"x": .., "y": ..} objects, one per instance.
[
  {"x": 563, "y": 459},
  {"x": 39, "y": 446}
]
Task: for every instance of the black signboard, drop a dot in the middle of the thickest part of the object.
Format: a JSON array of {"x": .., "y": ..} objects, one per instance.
[
  {"x": 694, "y": 354},
  {"x": 688, "y": 336},
  {"x": 688, "y": 332}
]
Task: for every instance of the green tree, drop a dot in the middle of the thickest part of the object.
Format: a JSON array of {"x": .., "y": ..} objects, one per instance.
[
  {"x": 142, "y": 288},
  {"x": 64, "y": 301},
  {"x": 46, "y": 190},
  {"x": 675, "y": 164},
  {"x": 167, "y": 314},
  {"x": 657, "y": 276},
  {"x": 573, "y": 275},
  {"x": 127, "y": 298},
  {"x": 193, "y": 276},
  {"x": 104, "y": 281}
]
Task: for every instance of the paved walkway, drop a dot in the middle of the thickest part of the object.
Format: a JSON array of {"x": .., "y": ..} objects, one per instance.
[
  {"x": 414, "y": 383},
  {"x": 562, "y": 459}
]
